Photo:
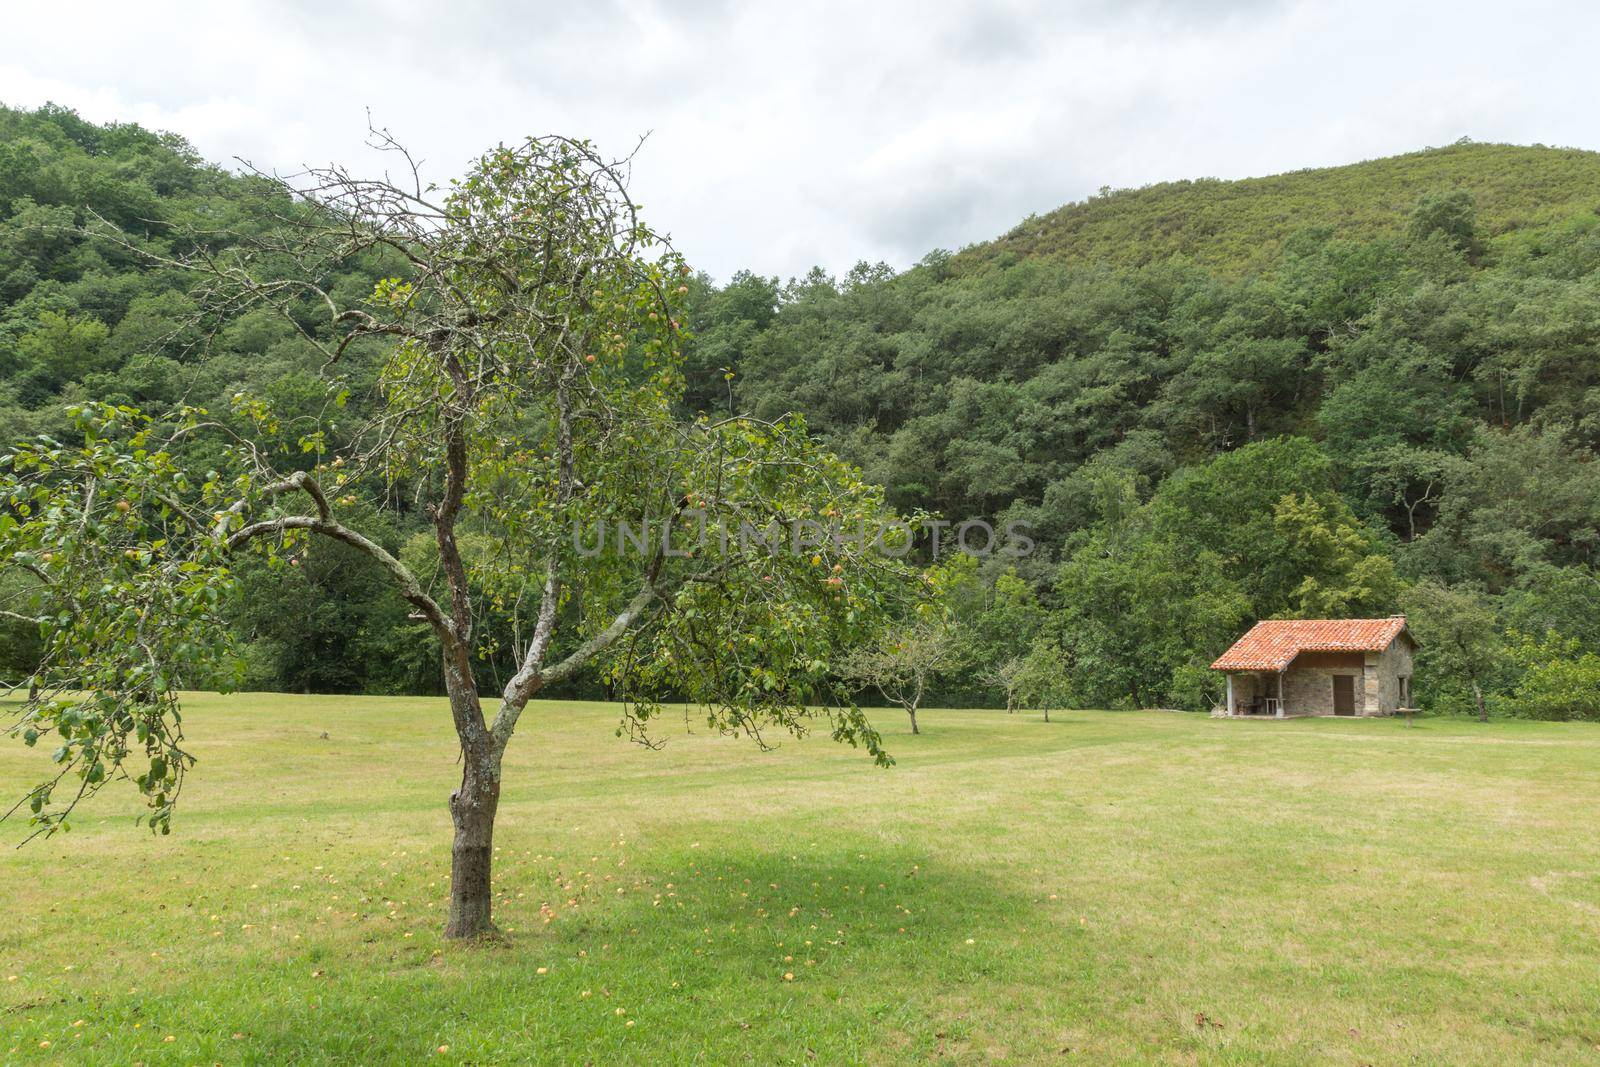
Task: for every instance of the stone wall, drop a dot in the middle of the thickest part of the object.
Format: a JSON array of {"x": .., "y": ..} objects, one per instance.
[
  {"x": 1308, "y": 685},
  {"x": 1386, "y": 670},
  {"x": 1309, "y": 690},
  {"x": 1369, "y": 689}
]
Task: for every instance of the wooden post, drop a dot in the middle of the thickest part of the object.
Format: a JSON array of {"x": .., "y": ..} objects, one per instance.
[
  {"x": 1230, "y": 696},
  {"x": 1280, "y": 695}
]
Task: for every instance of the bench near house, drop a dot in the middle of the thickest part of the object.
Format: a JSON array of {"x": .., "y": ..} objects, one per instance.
[{"x": 1289, "y": 667}]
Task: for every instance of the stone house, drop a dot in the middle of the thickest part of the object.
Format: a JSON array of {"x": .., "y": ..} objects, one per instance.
[{"x": 1290, "y": 667}]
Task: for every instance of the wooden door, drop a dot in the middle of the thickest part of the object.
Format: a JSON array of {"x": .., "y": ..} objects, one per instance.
[{"x": 1344, "y": 695}]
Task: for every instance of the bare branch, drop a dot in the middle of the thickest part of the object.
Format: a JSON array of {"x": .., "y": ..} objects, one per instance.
[{"x": 323, "y": 523}]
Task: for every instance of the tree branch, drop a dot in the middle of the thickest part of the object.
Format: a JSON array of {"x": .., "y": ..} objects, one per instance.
[
  {"x": 525, "y": 682},
  {"x": 516, "y": 699},
  {"x": 410, "y": 588}
]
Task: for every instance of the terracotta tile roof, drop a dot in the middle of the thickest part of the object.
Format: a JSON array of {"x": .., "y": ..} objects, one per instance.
[{"x": 1272, "y": 643}]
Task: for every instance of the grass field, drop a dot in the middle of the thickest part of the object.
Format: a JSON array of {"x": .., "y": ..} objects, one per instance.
[{"x": 1109, "y": 887}]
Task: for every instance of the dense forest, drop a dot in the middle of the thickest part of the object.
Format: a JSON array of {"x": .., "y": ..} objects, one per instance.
[{"x": 1354, "y": 391}]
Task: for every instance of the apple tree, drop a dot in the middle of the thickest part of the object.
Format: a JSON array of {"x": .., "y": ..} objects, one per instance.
[{"x": 529, "y": 346}]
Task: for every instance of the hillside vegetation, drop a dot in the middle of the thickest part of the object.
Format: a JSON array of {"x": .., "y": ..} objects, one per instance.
[
  {"x": 1348, "y": 391},
  {"x": 1356, "y": 391},
  {"x": 1239, "y": 226},
  {"x": 91, "y": 319}
]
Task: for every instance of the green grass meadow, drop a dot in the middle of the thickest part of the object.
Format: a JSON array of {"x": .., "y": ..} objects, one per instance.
[{"x": 1138, "y": 887}]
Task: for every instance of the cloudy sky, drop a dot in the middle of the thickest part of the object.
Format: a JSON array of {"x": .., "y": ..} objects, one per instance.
[{"x": 783, "y": 135}]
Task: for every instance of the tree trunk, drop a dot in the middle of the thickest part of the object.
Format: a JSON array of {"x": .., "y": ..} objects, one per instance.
[
  {"x": 472, "y": 808},
  {"x": 1011, "y": 703},
  {"x": 1047, "y": 713},
  {"x": 1477, "y": 694},
  {"x": 912, "y": 711}
]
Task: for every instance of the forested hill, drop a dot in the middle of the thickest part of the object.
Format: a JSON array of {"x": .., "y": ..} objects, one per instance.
[
  {"x": 983, "y": 380},
  {"x": 1335, "y": 392},
  {"x": 1239, "y": 226},
  {"x": 1340, "y": 392}
]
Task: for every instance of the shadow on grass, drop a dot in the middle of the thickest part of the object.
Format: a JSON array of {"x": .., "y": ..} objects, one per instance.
[{"x": 819, "y": 954}]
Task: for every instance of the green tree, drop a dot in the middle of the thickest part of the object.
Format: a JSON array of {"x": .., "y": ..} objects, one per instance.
[
  {"x": 1043, "y": 680},
  {"x": 727, "y": 323},
  {"x": 528, "y": 392},
  {"x": 1451, "y": 216},
  {"x": 61, "y": 348},
  {"x": 323, "y": 624},
  {"x": 1518, "y": 501},
  {"x": 1268, "y": 514},
  {"x": 1345, "y": 571},
  {"x": 995, "y": 614},
  {"x": 1137, "y": 605},
  {"x": 20, "y": 651},
  {"x": 1560, "y": 679},
  {"x": 903, "y": 664},
  {"x": 1562, "y": 600},
  {"x": 1461, "y": 648},
  {"x": 1007, "y": 676}
]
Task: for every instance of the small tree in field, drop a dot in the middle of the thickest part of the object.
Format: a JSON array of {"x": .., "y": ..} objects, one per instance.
[
  {"x": 19, "y": 638},
  {"x": 529, "y": 350},
  {"x": 1006, "y": 676},
  {"x": 905, "y": 660},
  {"x": 1042, "y": 681}
]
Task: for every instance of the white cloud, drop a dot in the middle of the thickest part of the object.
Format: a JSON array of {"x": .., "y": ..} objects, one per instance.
[{"x": 788, "y": 134}]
